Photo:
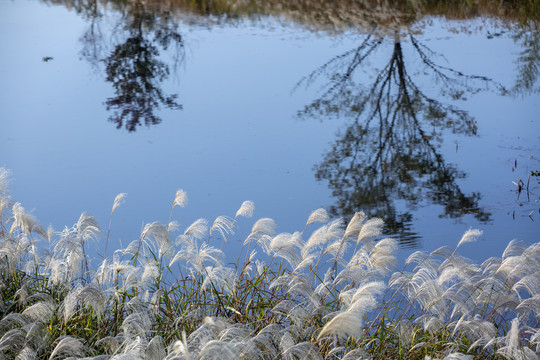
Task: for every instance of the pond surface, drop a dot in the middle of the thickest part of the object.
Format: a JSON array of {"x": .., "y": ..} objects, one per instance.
[{"x": 428, "y": 121}]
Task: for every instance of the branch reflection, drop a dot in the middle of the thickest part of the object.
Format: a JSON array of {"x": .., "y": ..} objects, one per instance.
[
  {"x": 136, "y": 72},
  {"x": 129, "y": 51},
  {"x": 389, "y": 155}
]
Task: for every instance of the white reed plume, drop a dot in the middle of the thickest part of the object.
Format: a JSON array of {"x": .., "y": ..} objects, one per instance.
[
  {"x": 220, "y": 277},
  {"x": 118, "y": 200},
  {"x": 92, "y": 297},
  {"x": 364, "y": 298},
  {"x": 26, "y": 222},
  {"x": 180, "y": 198},
  {"x": 355, "y": 225},
  {"x": 197, "y": 229},
  {"x": 286, "y": 246},
  {"x": 155, "y": 350},
  {"x": 264, "y": 226},
  {"x": 12, "y": 339},
  {"x": 513, "y": 348},
  {"x": 218, "y": 350},
  {"x": 293, "y": 311},
  {"x": 382, "y": 256},
  {"x": 344, "y": 325},
  {"x": 196, "y": 256},
  {"x": 304, "y": 350},
  {"x": 157, "y": 239},
  {"x": 261, "y": 233},
  {"x": 41, "y": 311},
  {"x": 224, "y": 225},
  {"x": 137, "y": 323},
  {"x": 27, "y": 353},
  {"x": 470, "y": 236},
  {"x": 180, "y": 347},
  {"x": 319, "y": 215},
  {"x": 371, "y": 228},
  {"x": 330, "y": 232},
  {"x": 87, "y": 228},
  {"x": 68, "y": 347},
  {"x": 5, "y": 175},
  {"x": 150, "y": 271},
  {"x": 246, "y": 210},
  {"x": 208, "y": 331},
  {"x": 476, "y": 329}
]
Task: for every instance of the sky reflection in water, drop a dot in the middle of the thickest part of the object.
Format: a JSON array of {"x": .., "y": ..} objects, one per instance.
[{"x": 426, "y": 127}]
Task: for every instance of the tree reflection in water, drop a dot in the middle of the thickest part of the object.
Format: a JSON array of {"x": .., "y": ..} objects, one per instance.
[
  {"x": 390, "y": 153},
  {"x": 132, "y": 61},
  {"x": 135, "y": 71}
]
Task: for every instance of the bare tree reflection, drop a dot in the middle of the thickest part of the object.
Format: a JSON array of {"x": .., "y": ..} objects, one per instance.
[
  {"x": 136, "y": 72},
  {"x": 132, "y": 56},
  {"x": 389, "y": 154}
]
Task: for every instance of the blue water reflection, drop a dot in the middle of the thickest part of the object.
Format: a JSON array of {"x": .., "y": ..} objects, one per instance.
[{"x": 426, "y": 126}]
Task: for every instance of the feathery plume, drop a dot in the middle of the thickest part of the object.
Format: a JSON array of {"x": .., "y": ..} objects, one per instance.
[
  {"x": 355, "y": 225},
  {"x": 180, "y": 199},
  {"x": 246, "y": 210},
  {"x": 197, "y": 229},
  {"x": 181, "y": 347},
  {"x": 264, "y": 226},
  {"x": 68, "y": 347},
  {"x": 224, "y": 225},
  {"x": 371, "y": 228},
  {"x": 155, "y": 350},
  {"x": 26, "y": 222},
  {"x": 343, "y": 325},
  {"x": 118, "y": 200},
  {"x": 319, "y": 215},
  {"x": 219, "y": 350},
  {"x": 470, "y": 235}
]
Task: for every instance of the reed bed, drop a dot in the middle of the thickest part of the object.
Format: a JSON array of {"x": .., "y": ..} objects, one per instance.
[{"x": 329, "y": 291}]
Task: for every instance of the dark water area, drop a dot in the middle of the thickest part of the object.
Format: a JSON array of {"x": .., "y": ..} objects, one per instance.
[{"x": 427, "y": 119}]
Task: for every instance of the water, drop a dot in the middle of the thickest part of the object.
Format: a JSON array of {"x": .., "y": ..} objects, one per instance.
[{"x": 101, "y": 99}]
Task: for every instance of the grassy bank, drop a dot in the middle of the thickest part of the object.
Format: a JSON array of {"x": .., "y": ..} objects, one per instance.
[{"x": 329, "y": 291}]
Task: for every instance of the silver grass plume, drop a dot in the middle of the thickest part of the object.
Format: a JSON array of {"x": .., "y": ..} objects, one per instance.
[
  {"x": 344, "y": 325},
  {"x": 319, "y": 215},
  {"x": 223, "y": 225},
  {"x": 469, "y": 236},
  {"x": 219, "y": 350},
  {"x": 180, "y": 198},
  {"x": 5, "y": 175},
  {"x": 27, "y": 353},
  {"x": 512, "y": 348},
  {"x": 157, "y": 239},
  {"x": 286, "y": 246},
  {"x": 26, "y": 222},
  {"x": 371, "y": 228},
  {"x": 220, "y": 277},
  {"x": 155, "y": 350},
  {"x": 68, "y": 346},
  {"x": 261, "y": 233},
  {"x": 264, "y": 226},
  {"x": 197, "y": 256},
  {"x": 197, "y": 229},
  {"x": 118, "y": 200},
  {"x": 41, "y": 311},
  {"x": 355, "y": 225},
  {"x": 331, "y": 232},
  {"x": 246, "y": 210},
  {"x": 12, "y": 340},
  {"x": 180, "y": 347}
]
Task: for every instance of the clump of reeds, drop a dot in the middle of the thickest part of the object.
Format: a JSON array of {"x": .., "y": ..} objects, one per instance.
[{"x": 329, "y": 291}]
